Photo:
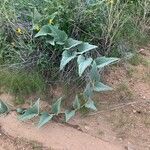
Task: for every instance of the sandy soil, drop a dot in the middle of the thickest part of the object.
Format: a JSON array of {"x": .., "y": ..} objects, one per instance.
[{"x": 53, "y": 136}]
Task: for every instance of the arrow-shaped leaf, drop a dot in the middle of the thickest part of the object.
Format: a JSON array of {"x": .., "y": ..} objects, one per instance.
[
  {"x": 67, "y": 56},
  {"x": 50, "y": 40},
  {"x": 100, "y": 87},
  {"x": 56, "y": 106},
  {"x": 3, "y": 107},
  {"x": 36, "y": 16},
  {"x": 83, "y": 63},
  {"x": 71, "y": 43},
  {"x": 104, "y": 61},
  {"x": 60, "y": 37},
  {"x": 88, "y": 92},
  {"x": 45, "y": 118},
  {"x": 94, "y": 74},
  {"x": 85, "y": 47},
  {"x": 31, "y": 112},
  {"x": 69, "y": 114},
  {"x": 90, "y": 104},
  {"x": 76, "y": 103}
]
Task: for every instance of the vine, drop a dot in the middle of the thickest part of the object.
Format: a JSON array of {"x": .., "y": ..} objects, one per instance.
[{"x": 91, "y": 67}]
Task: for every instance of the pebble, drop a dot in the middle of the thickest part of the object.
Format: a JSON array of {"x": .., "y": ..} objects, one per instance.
[{"x": 87, "y": 128}]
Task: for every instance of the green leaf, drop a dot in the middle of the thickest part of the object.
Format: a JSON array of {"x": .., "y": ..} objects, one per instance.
[
  {"x": 3, "y": 107},
  {"x": 31, "y": 112},
  {"x": 20, "y": 110},
  {"x": 100, "y": 87},
  {"x": 56, "y": 106},
  {"x": 36, "y": 16},
  {"x": 51, "y": 41},
  {"x": 59, "y": 36},
  {"x": 83, "y": 63},
  {"x": 71, "y": 44},
  {"x": 90, "y": 104},
  {"x": 67, "y": 56},
  {"x": 94, "y": 74},
  {"x": 76, "y": 103},
  {"x": 104, "y": 61},
  {"x": 85, "y": 47},
  {"x": 45, "y": 30},
  {"x": 88, "y": 92},
  {"x": 45, "y": 118},
  {"x": 69, "y": 115},
  {"x": 52, "y": 16}
]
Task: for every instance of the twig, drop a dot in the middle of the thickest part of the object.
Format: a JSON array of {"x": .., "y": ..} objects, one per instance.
[{"x": 119, "y": 106}]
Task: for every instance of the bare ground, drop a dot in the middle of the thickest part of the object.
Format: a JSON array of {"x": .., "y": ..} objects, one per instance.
[
  {"x": 54, "y": 136},
  {"x": 122, "y": 122}
]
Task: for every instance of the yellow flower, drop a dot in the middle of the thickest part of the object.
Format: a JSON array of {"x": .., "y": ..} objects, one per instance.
[
  {"x": 37, "y": 28},
  {"x": 110, "y": 1},
  {"x": 50, "y": 21},
  {"x": 19, "y": 31}
]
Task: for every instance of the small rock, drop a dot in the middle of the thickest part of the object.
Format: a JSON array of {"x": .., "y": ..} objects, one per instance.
[
  {"x": 144, "y": 97},
  {"x": 87, "y": 128},
  {"x": 134, "y": 111}
]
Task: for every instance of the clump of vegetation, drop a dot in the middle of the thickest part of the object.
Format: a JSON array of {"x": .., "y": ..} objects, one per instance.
[
  {"x": 116, "y": 27},
  {"x": 125, "y": 92},
  {"x": 21, "y": 83},
  {"x": 31, "y": 39},
  {"x": 130, "y": 71},
  {"x": 87, "y": 66},
  {"x": 136, "y": 60}
]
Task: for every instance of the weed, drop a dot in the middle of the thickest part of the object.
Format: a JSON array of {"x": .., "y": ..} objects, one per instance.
[
  {"x": 104, "y": 24},
  {"x": 19, "y": 100},
  {"x": 87, "y": 66},
  {"x": 21, "y": 83},
  {"x": 34, "y": 40},
  {"x": 130, "y": 71},
  {"x": 136, "y": 60},
  {"x": 145, "y": 62},
  {"x": 125, "y": 92},
  {"x": 123, "y": 87}
]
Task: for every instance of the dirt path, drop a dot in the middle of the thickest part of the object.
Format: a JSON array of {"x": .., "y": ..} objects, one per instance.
[{"x": 54, "y": 136}]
